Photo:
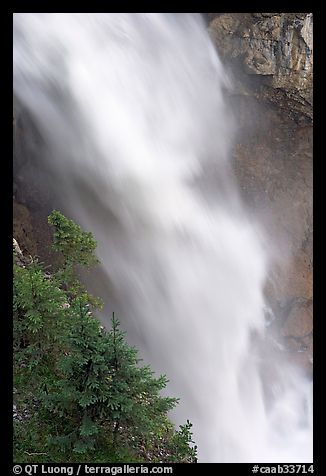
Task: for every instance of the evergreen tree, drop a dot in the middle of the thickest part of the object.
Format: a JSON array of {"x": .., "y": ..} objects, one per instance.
[
  {"x": 39, "y": 309},
  {"x": 76, "y": 247},
  {"x": 94, "y": 399}
]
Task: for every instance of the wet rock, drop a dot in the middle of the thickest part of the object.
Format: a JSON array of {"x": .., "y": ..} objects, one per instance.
[
  {"x": 272, "y": 160},
  {"x": 297, "y": 279},
  {"x": 299, "y": 323}
]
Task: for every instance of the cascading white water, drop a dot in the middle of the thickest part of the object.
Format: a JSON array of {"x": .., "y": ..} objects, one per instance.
[{"x": 138, "y": 135}]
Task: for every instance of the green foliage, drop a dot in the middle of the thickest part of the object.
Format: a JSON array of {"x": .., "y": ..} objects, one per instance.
[
  {"x": 77, "y": 247},
  {"x": 101, "y": 382},
  {"x": 86, "y": 394},
  {"x": 182, "y": 442},
  {"x": 39, "y": 309}
]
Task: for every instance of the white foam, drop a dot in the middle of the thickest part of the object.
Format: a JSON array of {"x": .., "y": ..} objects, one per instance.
[{"x": 133, "y": 105}]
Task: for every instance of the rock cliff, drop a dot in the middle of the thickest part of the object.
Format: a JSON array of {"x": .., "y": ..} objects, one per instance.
[
  {"x": 275, "y": 50},
  {"x": 269, "y": 57}
]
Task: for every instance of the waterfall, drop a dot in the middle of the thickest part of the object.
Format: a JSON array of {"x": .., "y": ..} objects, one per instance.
[{"x": 137, "y": 132}]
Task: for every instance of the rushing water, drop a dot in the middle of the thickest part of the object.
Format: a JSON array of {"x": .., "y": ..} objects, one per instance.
[{"x": 131, "y": 109}]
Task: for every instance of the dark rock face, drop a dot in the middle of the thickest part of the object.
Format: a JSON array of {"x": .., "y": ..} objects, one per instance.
[
  {"x": 32, "y": 194},
  {"x": 274, "y": 48},
  {"x": 270, "y": 59},
  {"x": 23, "y": 228}
]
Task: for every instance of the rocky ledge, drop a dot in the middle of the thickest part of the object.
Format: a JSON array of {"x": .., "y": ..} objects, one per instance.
[{"x": 272, "y": 56}]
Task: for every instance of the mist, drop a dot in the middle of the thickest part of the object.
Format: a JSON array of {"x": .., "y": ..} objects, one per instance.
[{"x": 137, "y": 142}]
